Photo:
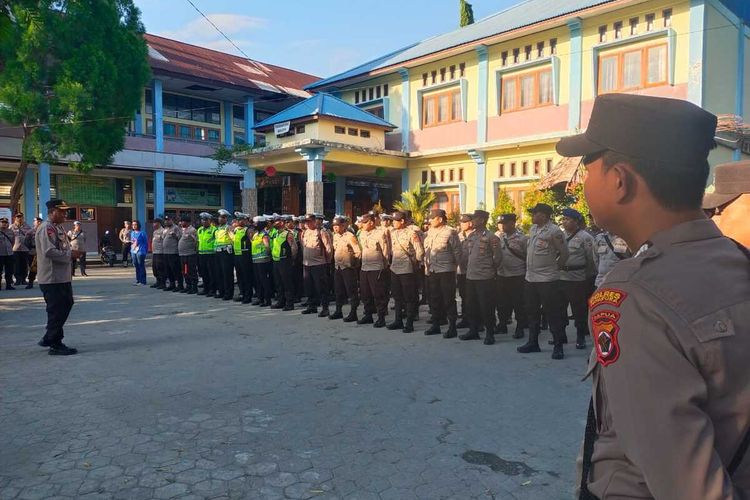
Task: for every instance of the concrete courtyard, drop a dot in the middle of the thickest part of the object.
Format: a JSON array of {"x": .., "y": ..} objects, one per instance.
[{"x": 178, "y": 396}]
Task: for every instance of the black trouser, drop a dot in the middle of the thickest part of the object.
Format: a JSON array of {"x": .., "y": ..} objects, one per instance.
[
  {"x": 158, "y": 268},
  {"x": 206, "y": 271},
  {"x": 461, "y": 285},
  {"x": 544, "y": 295},
  {"x": 59, "y": 299},
  {"x": 125, "y": 253},
  {"x": 298, "y": 278},
  {"x": 7, "y": 267},
  {"x": 22, "y": 262},
  {"x": 443, "y": 295},
  {"x": 372, "y": 289},
  {"x": 32, "y": 269},
  {"x": 189, "y": 268},
  {"x": 263, "y": 283},
  {"x": 284, "y": 281},
  {"x": 404, "y": 291},
  {"x": 510, "y": 299},
  {"x": 577, "y": 293},
  {"x": 226, "y": 274},
  {"x": 174, "y": 274},
  {"x": 81, "y": 260},
  {"x": 243, "y": 267},
  {"x": 316, "y": 284},
  {"x": 346, "y": 287},
  {"x": 481, "y": 295}
]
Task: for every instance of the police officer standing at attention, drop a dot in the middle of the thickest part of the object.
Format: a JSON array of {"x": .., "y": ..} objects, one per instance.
[
  {"x": 482, "y": 258},
  {"x": 206, "y": 254},
  {"x": 54, "y": 257},
  {"x": 511, "y": 276},
  {"x": 670, "y": 414},
  {"x": 546, "y": 254},
  {"x": 442, "y": 253},
  {"x": 609, "y": 249},
  {"x": 157, "y": 255},
  {"x": 283, "y": 253},
  {"x": 346, "y": 255},
  {"x": 408, "y": 253},
  {"x": 372, "y": 281},
  {"x": 573, "y": 276},
  {"x": 7, "y": 259},
  {"x": 465, "y": 227},
  {"x": 260, "y": 249},
  {"x": 187, "y": 248},
  {"x": 224, "y": 256},
  {"x": 317, "y": 248},
  {"x": 242, "y": 259},
  {"x": 171, "y": 237}
]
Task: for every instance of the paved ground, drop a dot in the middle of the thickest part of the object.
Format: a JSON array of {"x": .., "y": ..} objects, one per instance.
[{"x": 183, "y": 396}]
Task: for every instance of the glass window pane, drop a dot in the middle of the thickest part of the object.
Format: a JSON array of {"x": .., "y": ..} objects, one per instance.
[
  {"x": 200, "y": 133},
  {"x": 213, "y": 135},
  {"x": 631, "y": 68},
  {"x": 443, "y": 102},
  {"x": 185, "y": 132},
  {"x": 657, "y": 64},
  {"x": 170, "y": 129},
  {"x": 527, "y": 91},
  {"x": 545, "y": 87},
  {"x": 509, "y": 94},
  {"x": 429, "y": 112},
  {"x": 456, "y": 105},
  {"x": 608, "y": 74}
]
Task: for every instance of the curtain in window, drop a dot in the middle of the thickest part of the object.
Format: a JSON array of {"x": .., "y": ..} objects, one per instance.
[
  {"x": 456, "y": 105},
  {"x": 631, "y": 68},
  {"x": 527, "y": 91},
  {"x": 545, "y": 87},
  {"x": 429, "y": 112},
  {"x": 443, "y": 108},
  {"x": 509, "y": 94},
  {"x": 657, "y": 64},
  {"x": 608, "y": 74}
]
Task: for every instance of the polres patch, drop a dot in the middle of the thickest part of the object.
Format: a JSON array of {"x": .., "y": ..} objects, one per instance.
[
  {"x": 610, "y": 296},
  {"x": 605, "y": 331}
]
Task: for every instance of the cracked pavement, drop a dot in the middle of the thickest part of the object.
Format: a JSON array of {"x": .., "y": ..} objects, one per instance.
[{"x": 177, "y": 396}]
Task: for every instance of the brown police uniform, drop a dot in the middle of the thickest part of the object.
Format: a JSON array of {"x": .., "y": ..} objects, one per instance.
[
  {"x": 346, "y": 256},
  {"x": 482, "y": 257},
  {"x": 442, "y": 254},
  {"x": 408, "y": 253},
  {"x": 372, "y": 281}
]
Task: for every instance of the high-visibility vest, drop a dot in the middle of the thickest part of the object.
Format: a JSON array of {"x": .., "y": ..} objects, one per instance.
[
  {"x": 240, "y": 243},
  {"x": 206, "y": 237},
  {"x": 278, "y": 250},
  {"x": 223, "y": 238},
  {"x": 259, "y": 251}
]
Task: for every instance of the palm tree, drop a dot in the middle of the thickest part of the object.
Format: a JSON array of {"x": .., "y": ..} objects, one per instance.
[{"x": 419, "y": 200}]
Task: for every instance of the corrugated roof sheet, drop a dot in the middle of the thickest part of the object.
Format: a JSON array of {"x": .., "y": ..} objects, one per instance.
[
  {"x": 520, "y": 15},
  {"x": 324, "y": 104},
  {"x": 193, "y": 61}
]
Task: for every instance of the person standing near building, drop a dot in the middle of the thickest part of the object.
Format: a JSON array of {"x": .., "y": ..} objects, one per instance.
[
  {"x": 482, "y": 257},
  {"x": 157, "y": 255},
  {"x": 465, "y": 228},
  {"x": 31, "y": 244},
  {"x": 546, "y": 254},
  {"x": 206, "y": 254},
  {"x": 442, "y": 250},
  {"x": 283, "y": 253},
  {"x": 317, "y": 246},
  {"x": 224, "y": 257},
  {"x": 347, "y": 256},
  {"x": 7, "y": 258},
  {"x": 574, "y": 274},
  {"x": 609, "y": 249},
  {"x": 54, "y": 257},
  {"x": 138, "y": 252},
  {"x": 126, "y": 242},
  {"x": 260, "y": 249},
  {"x": 187, "y": 248},
  {"x": 20, "y": 250},
  {"x": 77, "y": 239},
  {"x": 171, "y": 239},
  {"x": 243, "y": 263},
  {"x": 511, "y": 276},
  {"x": 408, "y": 253},
  {"x": 372, "y": 282}
]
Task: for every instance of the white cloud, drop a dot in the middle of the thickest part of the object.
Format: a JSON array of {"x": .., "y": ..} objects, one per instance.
[{"x": 200, "y": 32}]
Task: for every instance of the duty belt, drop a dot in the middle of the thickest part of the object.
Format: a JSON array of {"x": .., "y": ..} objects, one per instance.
[{"x": 224, "y": 248}]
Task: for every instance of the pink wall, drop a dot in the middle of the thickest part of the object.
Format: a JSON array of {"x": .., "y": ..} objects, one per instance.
[
  {"x": 188, "y": 148},
  {"x": 140, "y": 143},
  {"x": 393, "y": 141},
  {"x": 672, "y": 91},
  {"x": 534, "y": 121},
  {"x": 442, "y": 136}
]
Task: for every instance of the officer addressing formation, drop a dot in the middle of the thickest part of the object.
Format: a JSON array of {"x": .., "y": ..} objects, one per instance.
[{"x": 661, "y": 292}]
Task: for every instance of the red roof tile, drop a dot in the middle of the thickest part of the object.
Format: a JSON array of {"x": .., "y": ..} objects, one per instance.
[{"x": 198, "y": 62}]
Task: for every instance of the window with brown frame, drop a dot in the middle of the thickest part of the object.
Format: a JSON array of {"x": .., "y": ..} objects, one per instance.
[
  {"x": 452, "y": 70},
  {"x": 433, "y": 177},
  {"x": 504, "y": 57},
  {"x": 460, "y": 175},
  {"x": 300, "y": 129},
  {"x": 353, "y": 131},
  {"x": 451, "y": 175},
  {"x": 537, "y": 167},
  {"x": 553, "y": 46},
  {"x": 424, "y": 176},
  {"x": 516, "y": 53},
  {"x": 633, "y": 69},
  {"x": 549, "y": 165},
  {"x": 441, "y": 108},
  {"x": 634, "y": 26},
  {"x": 442, "y": 176},
  {"x": 442, "y": 74},
  {"x": 434, "y": 76},
  {"x": 650, "y": 18},
  {"x": 526, "y": 90},
  {"x": 385, "y": 90},
  {"x": 527, "y": 52},
  {"x": 501, "y": 170},
  {"x": 618, "y": 30},
  {"x": 525, "y": 168},
  {"x": 364, "y": 133},
  {"x": 461, "y": 69},
  {"x": 602, "y": 33},
  {"x": 424, "y": 79},
  {"x": 339, "y": 130},
  {"x": 540, "y": 50},
  {"x": 512, "y": 169},
  {"x": 667, "y": 15}
]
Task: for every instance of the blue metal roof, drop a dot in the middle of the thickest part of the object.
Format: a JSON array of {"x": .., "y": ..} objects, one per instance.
[
  {"x": 324, "y": 104},
  {"x": 525, "y": 13}
]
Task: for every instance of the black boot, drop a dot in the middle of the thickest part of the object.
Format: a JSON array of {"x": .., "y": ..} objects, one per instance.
[
  {"x": 380, "y": 323},
  {"x": 193, "y": 290},
  {"x": 408, "y": 326},
  {"x": 489, "y": 339},
  {"x": 518, "y": 334},
  {"x": 398, "y": 323},
  {"x": 451, "y": 332},
  {"x": 203, "y": 292},
  {"x": 564, "y": 341},
  {"x": 532, "y": 345},
  {"x": 366, "y": 319},
  {"x": 337, "y": 314},
  {"x": 352, "y": 316},
  {"x": 557, "y": 352},
  {"x": 288, "y": 307},
  {"x": 181, "y": 289},
  {"x": 277, "y": 305},
  {"x": 470, "y": 335},
  {"x": 434, "y": 329},
  {"x": 502, "y": 328},
  {"x": 464, "y": 323},
  {"x": 324, "y": 312},
  {"x": 310, "y": 310},
  {"x": 581, "y": 342},
  {"x": 238, "y": 298}
]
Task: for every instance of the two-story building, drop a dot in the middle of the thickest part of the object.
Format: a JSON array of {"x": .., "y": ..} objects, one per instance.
[
  {"x": 199, "y": 98},
  {"x": 480, "y": 109}
]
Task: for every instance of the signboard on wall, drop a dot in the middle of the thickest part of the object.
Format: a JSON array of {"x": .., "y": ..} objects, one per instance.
[
  {"x": 281, "y": 128},
  {"x": 194, "y": 196},
  {"x": 86, "y": 190}
]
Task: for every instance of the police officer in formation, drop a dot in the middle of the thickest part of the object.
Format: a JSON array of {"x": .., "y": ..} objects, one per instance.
[
  {"x": 347, "y": 256},
  {"x": 317, "y": 248},
  {"x": 206, "y": 254},
  {"x": 283, "y": 253},
  {"x": 170, "y": 235},
  {"x": 187, "y": 248},
  {"x": 442, "y": 255},
  {"x": 407, "y": 253},
  {"x": 372, "y": 277},
  {"x": 158, "y": 262},
  {"x": 511, "y": 276}
]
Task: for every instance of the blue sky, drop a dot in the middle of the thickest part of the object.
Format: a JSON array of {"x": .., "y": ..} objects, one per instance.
[{"x": 320, "y": 37}]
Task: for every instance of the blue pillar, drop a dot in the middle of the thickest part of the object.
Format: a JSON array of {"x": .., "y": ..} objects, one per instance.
[
  {"x": 480, "y": 160},
  {"x": 697, "y": 38},
  {"x": 483, "y": 75},
  {"x": 249, "y": 124},
  {"x": 340, "y": 194},
  {"x": 405, "y": 109},
  {"x": 158, "y": 116},
  {"x": 248, "y": 179},
  {"x": 405, "y": 180},
  {"x": 139, "y": 190},
  {"x": 29, "y": 194},
  {"x": 228, "y": 196},
  {"x": 740, "y": 99},
  {"x": 576, "y": 74},
  {"x": 159, "y": 194},
  {"x": 44, "y": 188},
  {"x": 228, "y": 123}
]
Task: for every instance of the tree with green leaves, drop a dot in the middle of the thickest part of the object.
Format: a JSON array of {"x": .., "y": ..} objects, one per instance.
[
  {"x": 503, "y": 205},
  {"x": 419, "y": 200},
  {"x": 72, "y": 74},
  {"x": 466, "y": 13}
]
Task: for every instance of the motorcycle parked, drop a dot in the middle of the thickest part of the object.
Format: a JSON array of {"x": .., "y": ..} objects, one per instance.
[{"x": 107, "y": 252}]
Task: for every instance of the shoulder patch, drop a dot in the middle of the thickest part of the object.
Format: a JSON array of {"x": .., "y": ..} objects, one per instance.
[
  {"x": 51, "y": 231},
  {"x": 609, "y": 296},
  {"x": 605, "y": 331}
]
